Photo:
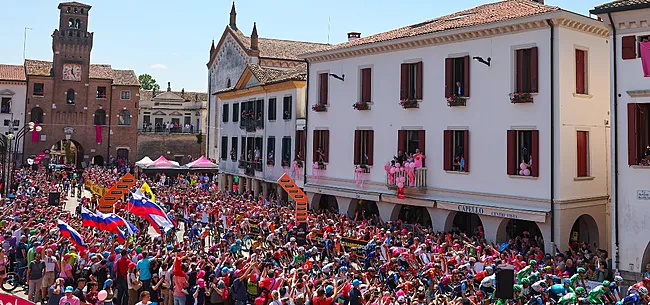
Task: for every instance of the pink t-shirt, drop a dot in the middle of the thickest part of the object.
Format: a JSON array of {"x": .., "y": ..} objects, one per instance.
[
  {"x": 418, "y": 160},
  {"x": 69, "y": 301}
]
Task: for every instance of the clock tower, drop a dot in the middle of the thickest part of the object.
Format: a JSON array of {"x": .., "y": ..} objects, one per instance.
[{"x": 72, "y": 44}]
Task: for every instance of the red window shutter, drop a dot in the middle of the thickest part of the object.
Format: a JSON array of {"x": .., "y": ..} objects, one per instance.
[
  {"x": 519, "y": 75},
  {"x": 449, "y": 77},
  {"x": 580, "y": 72},
  {"x": 326, "y": 144},
  {"x": 512, "y": 152},
  {"x": 534, "y": 72},
  {"x": 403, "y": 87},
  {"x": 422, "y": 143},
  {"x": 632, "y": 137},
  {"x": 370, "y": 150},
  {"x": 447, "y": 149},
  {"x": 357, "y": 147},
  {"x": 366, "y": 85},
  {"x": 466, "y": 149},
  {"x": 418, "y": 81},
  {"x": 316, "y": 140},
  {"x": 628, "y": 44},
  {"x": 401, "y": 141},
  {"x": 534, "y": 153},
  {"x": 581, "y": 149},
  {"x": 324, "y": 78},
  {"x": 300, "y": 143}
]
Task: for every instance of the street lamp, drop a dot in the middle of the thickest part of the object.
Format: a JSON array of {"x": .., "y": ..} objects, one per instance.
[{"x": 13, "y": 150}]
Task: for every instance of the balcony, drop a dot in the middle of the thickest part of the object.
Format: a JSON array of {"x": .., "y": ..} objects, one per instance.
[
  {"x": 248, "y": 124},
  {"x": 242, "y": 164},
  {"x": 521, "y": 98},
  {"x": 257, "y": 166},
  {"x": 456, "y": 101},
  {"x": 417, "y": 180}
]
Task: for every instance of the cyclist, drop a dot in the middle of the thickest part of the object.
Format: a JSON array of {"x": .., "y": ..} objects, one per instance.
[
  {"x": 235, "y": 249},
  {"x": 596, "y": 295},
  {"x": 579, "y": 278},
  {"x": 572, "y": 297},
  {"x": 640, "y": 297},
  {"x": 557, "y": 291}
]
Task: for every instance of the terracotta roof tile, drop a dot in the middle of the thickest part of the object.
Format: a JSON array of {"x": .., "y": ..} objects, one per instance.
[
  {"x": 266, "y": 75},
  {"x": 125, "y": 78},
  {"x": 280, "y": 48},
  {"x": 101, "y": 71},
  {"x": 119, "y": 77},
  {"x": 621, "y": 5},
  {"x": 12, "y": 73},
  {"x": 189, "y": 96},
  {"x": 483, "y": 14},
  {"x": 38, "y": 67}
]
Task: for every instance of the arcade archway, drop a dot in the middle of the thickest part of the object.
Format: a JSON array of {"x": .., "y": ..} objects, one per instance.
[
  {"x": 465, "y": 222},
  {"x": 363, "y": 209},
  {"x": 67, "y": 152},
  {"x": 413, "y": 215},
  {"x": 98, "y": 160},
  {"x": 526, "y": 229},
  {"x": 327, "y": 203},
  {"x": 585, "y": 229}
]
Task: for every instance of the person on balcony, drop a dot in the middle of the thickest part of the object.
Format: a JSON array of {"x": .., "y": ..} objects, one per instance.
[
  {"x": 270, "y": 157},
  {"x": 456, "y": 166},
  {"x": 399, "y": 158},
  {"x": 459, "y": 89},
  {"x": 258, "y": 155},
  {"x": 418, "y": 158}
]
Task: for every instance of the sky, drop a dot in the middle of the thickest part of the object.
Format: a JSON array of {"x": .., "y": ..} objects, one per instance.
[{"x": 170, "y": 39}]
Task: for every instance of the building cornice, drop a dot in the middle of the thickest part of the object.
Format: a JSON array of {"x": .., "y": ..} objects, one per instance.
[
  {"x": 13, "y": 82},
  {"x": 561, "y": 18},
  {"x": 261, "y": 89}
]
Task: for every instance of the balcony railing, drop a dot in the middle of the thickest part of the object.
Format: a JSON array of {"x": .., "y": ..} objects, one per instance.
[
  {"x": 257, "y": 166},
  {"x": 248, "y": 124},
  {"x": 242, "y": 164},
  {"x": 163, "y": 130},
  {"x": 417, "y": 180}
]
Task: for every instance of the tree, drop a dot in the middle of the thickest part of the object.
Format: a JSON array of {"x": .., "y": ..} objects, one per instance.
[{"x": 147, "y": 82}]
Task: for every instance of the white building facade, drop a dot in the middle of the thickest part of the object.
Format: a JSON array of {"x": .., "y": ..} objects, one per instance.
[
  {"x": 447, "y": 88},
  {"x": 628, "y": 22},
  {"x": 232, "y": 54},
  {"x": 262, "y": 130},
  {"x": 13, "y": 92}
]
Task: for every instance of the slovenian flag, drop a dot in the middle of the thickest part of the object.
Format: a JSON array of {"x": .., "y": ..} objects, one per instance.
[
  {"x": 141, "y": 206},
  {"x": 71, "y": 233}
]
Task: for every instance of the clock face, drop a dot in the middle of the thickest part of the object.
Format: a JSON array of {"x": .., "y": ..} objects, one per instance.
[{"x": 72, "y": 72}]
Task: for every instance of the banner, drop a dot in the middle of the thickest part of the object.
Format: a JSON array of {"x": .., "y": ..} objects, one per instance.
[{"x": 8, "y": 299}]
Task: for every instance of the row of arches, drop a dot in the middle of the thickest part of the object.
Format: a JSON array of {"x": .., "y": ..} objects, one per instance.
[
  {"x": 36, "y": 116},
  {"x": 584, "y": 229}
]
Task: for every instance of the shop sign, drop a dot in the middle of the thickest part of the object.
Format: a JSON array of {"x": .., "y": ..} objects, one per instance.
[
  {"x": 643, "y": 194},
  {"x": 495, "y": 212}
]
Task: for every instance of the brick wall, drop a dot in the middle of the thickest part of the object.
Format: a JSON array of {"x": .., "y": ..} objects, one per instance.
[{"x": 155, "y": 145}]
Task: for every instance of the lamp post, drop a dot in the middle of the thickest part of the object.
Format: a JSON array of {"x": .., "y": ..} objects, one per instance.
[{"x": 13, "y": 150}]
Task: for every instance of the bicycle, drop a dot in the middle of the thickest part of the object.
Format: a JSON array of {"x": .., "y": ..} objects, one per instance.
[{"x": 12, "y": 280}]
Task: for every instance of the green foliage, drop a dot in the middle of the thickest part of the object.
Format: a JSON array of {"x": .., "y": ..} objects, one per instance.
[{"x": 147, "y": 82}]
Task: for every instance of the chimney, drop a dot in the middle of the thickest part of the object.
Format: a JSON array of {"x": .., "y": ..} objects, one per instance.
[
  {"x": 153, "y": 92},
  {"x": 539, "y": 1},
  {"x": 212, "y": 47},
  {"x": 233, "y": 17},
  {"x": 354, "y": 36},
  {"x": 254, "y": 38},
  {"x": 183, "y": 92},
  {"x": 169, "y": 86}
]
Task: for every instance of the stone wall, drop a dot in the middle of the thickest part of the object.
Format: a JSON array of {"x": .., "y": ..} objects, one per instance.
[{"x": 169, "y": 145}]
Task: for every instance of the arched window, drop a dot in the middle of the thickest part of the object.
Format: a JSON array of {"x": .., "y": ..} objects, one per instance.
[
  {"x": 77, "y": 24},
  {"x": 37, "y": 115},
  {"x": 125, "y": 117},
  {"x": 70, "y": 23},
  {"x": 100, "y": 117},
  {"x": 70, "y": 96}
]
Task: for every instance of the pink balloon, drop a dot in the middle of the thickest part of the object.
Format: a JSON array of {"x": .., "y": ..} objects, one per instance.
[
  {"x": 403, "y": 179},
  {"x": 101, "y": 296},
  {"x": 521, "y": 172},
  {"x": 400, "y": 185},
  {"x": 401, "y": 169},
  {"x": 526, "y": 172},
  {"x": 522, "y": 166},
  {"x": 412, "y": 164},
  {"x": 397, "y": 165},
  {"x": 392, "y": 170}
]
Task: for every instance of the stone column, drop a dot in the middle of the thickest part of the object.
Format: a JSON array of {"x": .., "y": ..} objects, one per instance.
[
  {"x": 344, "y": 205},
  {"x": 491, "y": 227},
  {"x": 265, "y": 189},
  {"x": 241, "y": 184},
  {"x": 229, "y": 182},
  {"x": 386, "y": 210},
  {"x": 256, "y": 188},
  {"x": 249, "y": 184}
]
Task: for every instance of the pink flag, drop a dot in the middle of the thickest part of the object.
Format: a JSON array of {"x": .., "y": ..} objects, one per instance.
[
  {"x": 645, "y": 57},
  {"x": 35, "y": 134},
  {"x": 98, "y": 133}
]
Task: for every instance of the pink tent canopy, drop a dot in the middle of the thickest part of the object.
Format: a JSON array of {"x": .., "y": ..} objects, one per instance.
[
  {"x": 202, "y": 163},
  {"x": 162, "y": 163}
]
